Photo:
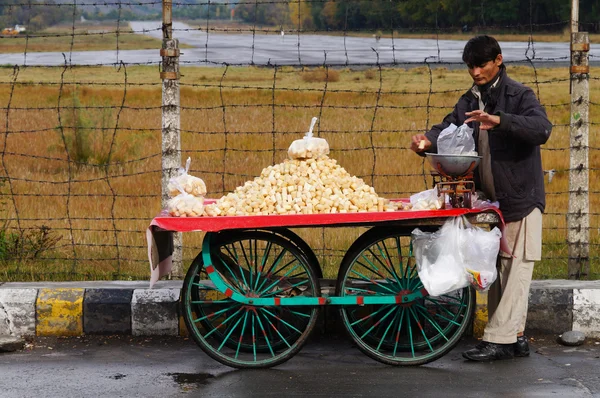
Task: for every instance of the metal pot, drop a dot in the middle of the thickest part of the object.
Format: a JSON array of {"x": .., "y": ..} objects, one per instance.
[{"x": 453, "y": 165}]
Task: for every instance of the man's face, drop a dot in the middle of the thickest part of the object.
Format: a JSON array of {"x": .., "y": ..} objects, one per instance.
[{"x": 483, "y": 74}]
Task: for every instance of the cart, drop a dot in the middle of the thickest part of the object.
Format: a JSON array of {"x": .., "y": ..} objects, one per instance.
[{"x": 252, "y": 296}]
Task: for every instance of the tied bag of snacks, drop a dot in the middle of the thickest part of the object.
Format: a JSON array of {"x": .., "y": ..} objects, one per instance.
[
  {"x": 309, "y": 147},
  {"x": 185, "y": 204},
  {"x": 184, "y": 182}
]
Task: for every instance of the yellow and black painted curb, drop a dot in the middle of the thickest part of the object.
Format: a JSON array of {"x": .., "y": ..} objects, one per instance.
[{"x": 72, "y": 308}]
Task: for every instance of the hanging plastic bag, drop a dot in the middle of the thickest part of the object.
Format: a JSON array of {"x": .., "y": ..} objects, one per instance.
[
  {"x": 479, "y": 249},
  {"x": 184, "y": 181},
  {"x": 456, "y": 141},
  {"x": 439, "y": 264},
  {"x": 456, "y": 255},
  {"x": 309, "y": 146}
]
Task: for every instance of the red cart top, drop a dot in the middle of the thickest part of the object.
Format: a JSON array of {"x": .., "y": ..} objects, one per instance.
[
  {"x": 219, "y": 223},
  {"x": 160, "y": 241}
]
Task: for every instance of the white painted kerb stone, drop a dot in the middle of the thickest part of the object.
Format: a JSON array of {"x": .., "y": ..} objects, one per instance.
[
  {"x": 17, "y": 312},
  {"x": 155, "y": 312},
  {"x": 586, "y": 311}
]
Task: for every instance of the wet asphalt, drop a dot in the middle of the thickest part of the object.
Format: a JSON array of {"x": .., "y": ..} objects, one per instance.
[{"x": 126, "y": 366}]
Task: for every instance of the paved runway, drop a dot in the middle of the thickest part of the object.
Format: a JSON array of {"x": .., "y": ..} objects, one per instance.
[{"x": 307, "y": 49}]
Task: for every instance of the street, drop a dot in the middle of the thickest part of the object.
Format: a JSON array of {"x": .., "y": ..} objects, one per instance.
[{"x": 127, "y": 366}]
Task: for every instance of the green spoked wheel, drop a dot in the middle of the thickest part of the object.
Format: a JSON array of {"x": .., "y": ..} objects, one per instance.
[
  {"x": 380, "y": 262},
  {"x": 255, "y": 264}
]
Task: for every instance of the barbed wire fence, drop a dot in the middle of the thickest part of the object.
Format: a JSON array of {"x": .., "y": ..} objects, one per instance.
[{"x": 88, "y": 143}]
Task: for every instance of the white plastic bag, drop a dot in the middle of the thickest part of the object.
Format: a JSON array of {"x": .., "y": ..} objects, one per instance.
[
  {"x": 479, "y": 249},
  {"x": 439, "y": 265},
  {"x": 309, "y": 146},
  {"x": 456, "y": 141},
  {"x": 426, "y": 200},
  {"x": 456, "y": 255},
  {"x": 185, "y": 204},
  {"x": 192, "y": 185}
]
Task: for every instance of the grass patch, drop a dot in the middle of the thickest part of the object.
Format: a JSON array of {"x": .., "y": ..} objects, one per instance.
[
  {"x": 234, "y": 122},
  {"x": 82, "y": 37}
]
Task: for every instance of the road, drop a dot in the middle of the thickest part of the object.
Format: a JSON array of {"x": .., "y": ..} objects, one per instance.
[
  {"x": 307, "y": 49},
  {"x": 126, "y": 366}
]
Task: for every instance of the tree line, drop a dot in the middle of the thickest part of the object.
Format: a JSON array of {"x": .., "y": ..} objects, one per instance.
[
  {"x": 333, "y": 15},
  {"x": 512, "y": 15}
]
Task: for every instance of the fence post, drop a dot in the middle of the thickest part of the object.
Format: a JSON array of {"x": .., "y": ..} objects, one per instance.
[
  {"x": 578, "y": 219},
  {"x": 171, "y": 143}
]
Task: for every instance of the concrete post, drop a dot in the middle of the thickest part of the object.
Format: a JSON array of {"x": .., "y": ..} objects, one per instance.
[
  {"x": 578, "y": 219},
  {"x": 171, "y": 142}
]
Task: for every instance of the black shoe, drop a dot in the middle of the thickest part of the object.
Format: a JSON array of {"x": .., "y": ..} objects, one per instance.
[
  {"x": 521, "y": 347},
  {"x": 486, "y": 351}
]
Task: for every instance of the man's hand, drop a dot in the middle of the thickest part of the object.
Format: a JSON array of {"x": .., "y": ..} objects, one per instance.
[
  {"x": 486, "y": 121},
  {"x": 420, "y": 143}
]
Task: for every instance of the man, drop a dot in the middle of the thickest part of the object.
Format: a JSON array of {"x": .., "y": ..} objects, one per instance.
[{"x": 509, "y": 125}]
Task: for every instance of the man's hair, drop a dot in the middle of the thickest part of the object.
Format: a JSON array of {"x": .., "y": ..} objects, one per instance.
[{"x": 480, "y": 49}]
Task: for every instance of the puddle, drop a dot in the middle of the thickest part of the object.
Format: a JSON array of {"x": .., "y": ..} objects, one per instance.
[{"x": 191, "y": 378}]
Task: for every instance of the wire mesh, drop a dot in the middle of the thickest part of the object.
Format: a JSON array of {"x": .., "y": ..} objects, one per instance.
[{"x": 80, "y": 112}]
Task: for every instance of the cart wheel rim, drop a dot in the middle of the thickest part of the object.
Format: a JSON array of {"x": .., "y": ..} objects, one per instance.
[
  {"x": 402, "y": 334},
  {"x": 256, "y": 264}
]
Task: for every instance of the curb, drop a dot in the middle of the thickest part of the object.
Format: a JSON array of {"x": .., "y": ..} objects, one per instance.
[{"x": 131, "y": 308}]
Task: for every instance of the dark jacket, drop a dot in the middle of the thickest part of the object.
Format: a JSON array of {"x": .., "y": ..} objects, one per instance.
[{"x": 514, "y": 144}]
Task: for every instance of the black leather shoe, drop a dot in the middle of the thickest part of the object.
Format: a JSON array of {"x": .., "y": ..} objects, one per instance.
[
  {"x": 486, "y": 351},
  {"x": 521, "y": 347}
]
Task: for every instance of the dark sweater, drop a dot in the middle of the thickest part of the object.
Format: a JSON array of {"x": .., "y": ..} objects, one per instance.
[{"x": 514, "y": 145}]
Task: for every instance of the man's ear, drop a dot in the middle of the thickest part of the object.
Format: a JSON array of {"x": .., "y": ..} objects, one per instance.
[{"x": 498, "y": 60}]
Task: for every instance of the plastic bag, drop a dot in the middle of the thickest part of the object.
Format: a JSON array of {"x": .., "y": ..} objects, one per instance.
[
  {"x": 309, "y": 146},
  {"x": 456, "y": 255},
  {"x": 438, "y": 264},
  {"x": 479, "y": 249},
  {"x": 456, "y": 141},
  {"x": 185, "y": 204},
  {"x": 426, "y": 200},
  {"x": 189, "y": 184}
]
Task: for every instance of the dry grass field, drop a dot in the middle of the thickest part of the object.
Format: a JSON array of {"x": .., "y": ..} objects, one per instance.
[
  {"x": 99, "y": 196},
  {"x": 81, "y": 37}
]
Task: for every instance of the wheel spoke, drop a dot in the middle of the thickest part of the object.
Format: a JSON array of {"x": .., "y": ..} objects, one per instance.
[
  {"x": 387, "y": 329},
  {"x": 399, "y": 329},
  {"x": 279, "y": 319},
  {"x": 229, "y": 333},
  {"x": 262, "y": 264},
  {"x": 383, "y": 251},
  {"x": 212, "y": 315},
  {"x": 363, "y": 277},
  {"x": 441, "y": 307},
  {"x": 223, "y": 323},
  {"x": 411, "y": 312},
  {"x": 374, "y": 271},
  {"x": 377, "y": 323},
  {"x": 237, "y": 351},
  {"x": 432, "y": 322},
  {"x": 371, "y": 315},
  {"x": 274, "y": 265},
  {"x": 278, "y": 280},
  {"x": 274, "y": 328},
  {"x": 248, "y": 263},
  {"x": 286, "y": 288}
]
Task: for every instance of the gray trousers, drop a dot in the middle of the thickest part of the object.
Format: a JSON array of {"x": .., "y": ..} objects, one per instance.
[{"x": 508, "y": 297}]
